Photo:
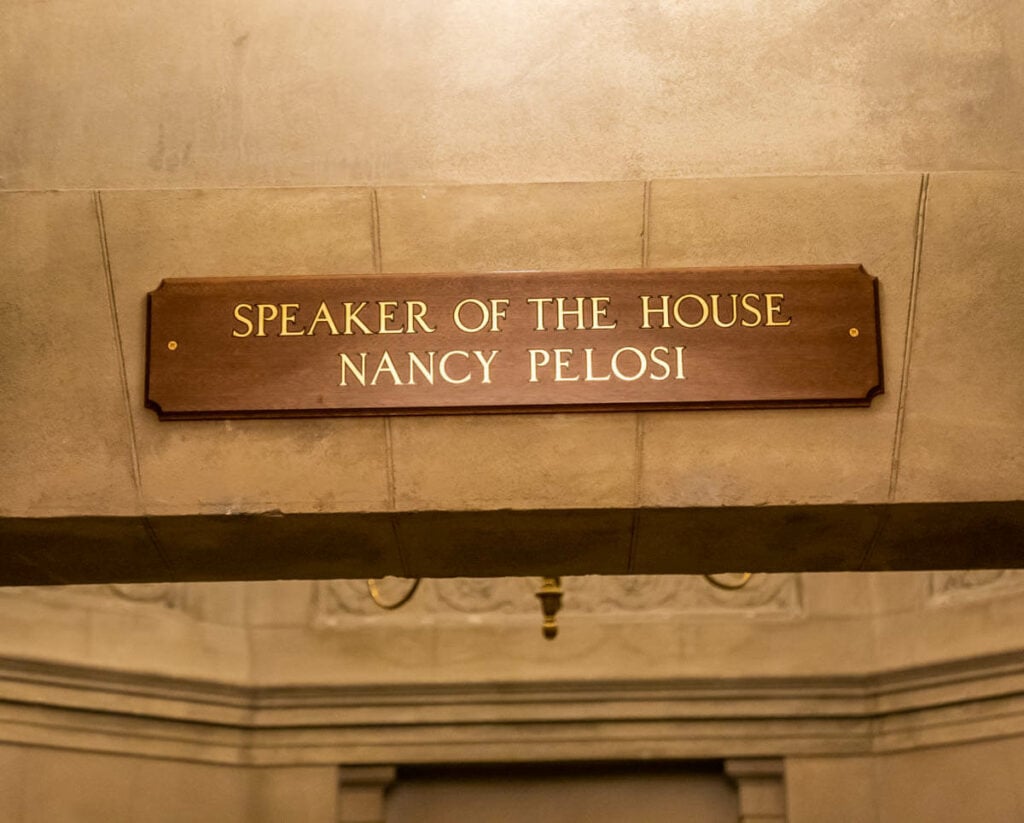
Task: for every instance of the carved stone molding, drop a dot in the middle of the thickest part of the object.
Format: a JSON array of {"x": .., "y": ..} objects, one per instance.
[
  {"x": 338, "y": 602},
  {"x": 361, "y": 791},
  {"x": 176, "y": 596},
  {"x": 973, "y": 584},
  {"x": 761, "y": 784}
]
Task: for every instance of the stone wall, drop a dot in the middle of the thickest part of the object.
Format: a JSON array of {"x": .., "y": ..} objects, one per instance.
[{"x": 153, "y": 139}]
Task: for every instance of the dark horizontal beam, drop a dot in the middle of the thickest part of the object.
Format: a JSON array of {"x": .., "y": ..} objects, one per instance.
[{"x": 905, "y": 536}]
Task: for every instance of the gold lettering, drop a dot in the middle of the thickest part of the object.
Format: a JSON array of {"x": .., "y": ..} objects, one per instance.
[
  {"x": 443, "y": 367},
  {"x": 498, "y": 307},
  {"x": 486, "y": 363},
  {"x": 771, "y": 309},
  {"x": 386, "y": 364},
  {"x": 538, "y": 357},
  {"x": 387, "y": 315},
  {"x": 678, "y": 316},
  {"x": 353, "y": 317},
  {"x": 539, "y": 302},
  {"x": 416, "y": 311},
  {"x": 359, "y": 372},
  {"x": 641, "y": 362},
  {"x": 600, "y": 311},
  {"x": 588, "y": 355},
  {"x": 289, "y": 318},
  {"x": 240, "y": 319},
  {"x": 484, "y": 315},
  {"x": 662, "y": 363},
  {"x": 754, "y": 310},
  {"x": 561, "y": 364},
  {"x": 648, "y": 311},
  {"x": 679, "y": 363},
  {"x": 323, "y": 315},
  {"x": 561, "y": 312},
  {"x": 264, "y": 313},
  {"x": 714, "y": 311},
  {"x": 426, "y": 371}
]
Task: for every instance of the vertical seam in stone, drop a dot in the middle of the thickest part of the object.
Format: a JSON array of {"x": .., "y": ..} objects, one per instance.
[
  {"x": 104, "y": 251},
  {"x": 922, "y": 210},
  {"x": 637, "y": 490},
  {"x": 638, "y": 459},
  {"x": 378, "y": 268},
  {"x": 634, "y": 532},
  {"x": 378, "y": 263},
  {"x": 390, "y": 464},
  {"x": 645, "y": 227},
  {"x": 396, "y": 533}
]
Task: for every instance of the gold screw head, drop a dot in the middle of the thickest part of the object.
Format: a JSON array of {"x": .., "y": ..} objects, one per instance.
[
  {"x": 854, "y": 332},
  {"x": 172, "y": 345}
]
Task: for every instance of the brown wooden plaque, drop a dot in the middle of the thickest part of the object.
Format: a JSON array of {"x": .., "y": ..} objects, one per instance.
[{"x": 521, "y": 341}]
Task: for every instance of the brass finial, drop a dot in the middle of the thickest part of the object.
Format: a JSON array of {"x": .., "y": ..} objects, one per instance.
[{"x": 550, "y": 597}]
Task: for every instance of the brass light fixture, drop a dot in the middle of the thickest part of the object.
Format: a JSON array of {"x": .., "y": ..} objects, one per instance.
[{"x": 550, "y": 596}]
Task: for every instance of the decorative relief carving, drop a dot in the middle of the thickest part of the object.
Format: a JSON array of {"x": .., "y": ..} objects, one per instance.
[
  {"x": 974, "y": 584},
  {"x": 177, "y": 596},
  {"x": 476, "y": 595},
  {"x": 171, "y": 595},
  {"x": 341, "y": 601}
]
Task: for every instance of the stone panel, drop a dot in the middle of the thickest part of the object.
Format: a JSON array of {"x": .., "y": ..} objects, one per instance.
[
  {"x": 515, "y": 462},
  {"x": 555, "y": 461},
  {"x": 248, "y": 465},
  {"x": 798, "y": 456},
  {"x": 65, "y": 445},
  {"x": 980, "y": 781},
  {"x": 831, "y": 790},
  {"x": 964, "y": 431},
  {"x": 194, "y": 94},
  {"x": 511, "y": 228}
]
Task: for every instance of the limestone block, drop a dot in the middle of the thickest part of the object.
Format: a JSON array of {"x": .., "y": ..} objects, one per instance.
[
  {"x": 510, "y": 228},
  {"x": 515, "y": 462},
  {"x": 249, "y": 465},
  {"x": 191, "y": 94},
  {"x": 553, "y": 461},
  {"x": 831, "y": 790},
  {"x": 952, "y": 784},
  {"x": 804, "y": 456},
  {"x": 65, "y": 446},
  {"x": 294, "y": 795},
  {"x": 68, "y": 786},
  {"x": 963, "y": 436}
]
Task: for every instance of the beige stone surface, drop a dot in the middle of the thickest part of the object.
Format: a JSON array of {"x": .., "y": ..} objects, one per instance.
[
  {"x": 511, "y": 227},
  {"x": 193, "y": 95},
  {"x": 953, "y": 784},
  {"x": 964, "y": 431},
  {"x": 75, "y": 787},
  {"x": 225, "y": 466},
  {"x": 935, "y": 630},
  {"x": 94, "y": 626},
  {"x": 65, "y": 445},
  {"x": 832, "y": 790},
  {"x": 797, "y": 456},
  {"x": 515, "y": 462}
]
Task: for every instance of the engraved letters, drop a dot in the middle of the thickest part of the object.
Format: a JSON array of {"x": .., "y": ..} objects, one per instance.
[{"x": 367, "y": 344}]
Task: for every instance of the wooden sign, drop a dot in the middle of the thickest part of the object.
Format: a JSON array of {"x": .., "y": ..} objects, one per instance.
[{"x": 522, "y": 341}]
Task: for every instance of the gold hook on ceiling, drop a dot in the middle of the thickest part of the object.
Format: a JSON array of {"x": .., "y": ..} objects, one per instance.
[
  {"x": 729, "y": 587},
  {"x": 371, "y": 584}
]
